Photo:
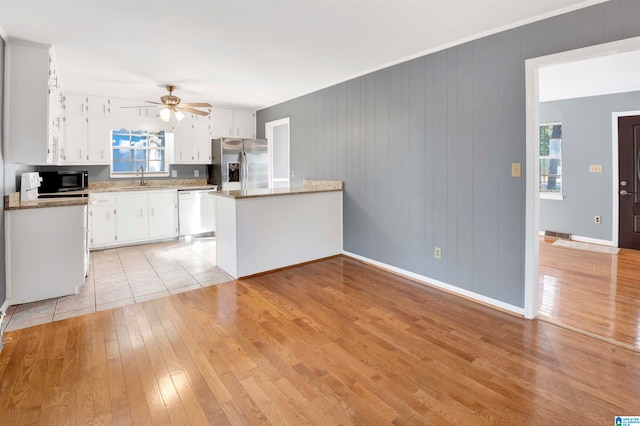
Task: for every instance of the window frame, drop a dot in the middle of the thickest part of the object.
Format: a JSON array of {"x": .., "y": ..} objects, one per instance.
[
  {"x": 546, "y": 195},
  {"x": 131, "y": 174}
]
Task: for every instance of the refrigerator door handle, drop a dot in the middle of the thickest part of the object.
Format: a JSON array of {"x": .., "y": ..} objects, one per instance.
[{"x": 245, "y": 170}]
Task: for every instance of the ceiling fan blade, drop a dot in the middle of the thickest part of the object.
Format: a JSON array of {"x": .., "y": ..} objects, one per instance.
[
  {"x": 155, "y": 103},
  {"x": 194, "y": 111},
  {"x": 139, "y": 106},
  {"x": 197, "y": 104}
]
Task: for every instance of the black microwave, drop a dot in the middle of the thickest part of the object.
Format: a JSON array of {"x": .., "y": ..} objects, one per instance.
[{"x": 62, "y": 181}]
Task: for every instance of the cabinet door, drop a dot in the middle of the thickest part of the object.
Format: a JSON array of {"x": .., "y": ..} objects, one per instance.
[
  {"x": 163, "y": 221},
  {"x": 221, "y": 123},
  {"x": 98, "y": 139},
  {"x": 75, "y": 104},
  {"x": 102, "y": 225},
  {"x": 131, "y": 222},
  {"x": 202, "y": 140},
  {"x": 243, "y": 124},
  {"x": 98, "y": 105},
  {"x": 75, "y": 141},
  {"x": 183, "y": 141}
]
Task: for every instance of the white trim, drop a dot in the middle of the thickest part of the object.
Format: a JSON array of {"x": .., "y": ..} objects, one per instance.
[
  {"x": 551, "y": 196},
  {"x": 441, "y": 47},
  {"x": 587, "y": 240},
  {"x": 592, "y": 240},
  {"x": 440, "y": 285},
  {"x": 615, "y": 210},
  {"x": 268, "y": 132},
  {"x": 532, "y": 199}
]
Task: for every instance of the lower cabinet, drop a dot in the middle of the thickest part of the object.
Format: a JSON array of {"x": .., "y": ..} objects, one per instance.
[{"x": 132, "y": 217}]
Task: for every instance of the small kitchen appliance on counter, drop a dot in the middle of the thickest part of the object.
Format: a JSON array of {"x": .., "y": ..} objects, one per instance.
[{"x": 29, "y": 184}]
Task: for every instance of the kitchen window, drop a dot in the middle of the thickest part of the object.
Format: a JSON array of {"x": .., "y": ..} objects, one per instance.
[
  {"x": 132, "y": 149},
  {"x": 550, "y": 184}
]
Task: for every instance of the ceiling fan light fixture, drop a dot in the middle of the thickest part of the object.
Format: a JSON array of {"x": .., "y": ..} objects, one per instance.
[
  {"x": 179, "y": 115},
  {"x": 165, "y": 114}
]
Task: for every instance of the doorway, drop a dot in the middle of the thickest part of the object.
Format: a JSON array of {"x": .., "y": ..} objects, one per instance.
[
  {"x": 532, "y": 239},
  {"x": 277, "y": 133},
  {"x": 629, "y": 181}
]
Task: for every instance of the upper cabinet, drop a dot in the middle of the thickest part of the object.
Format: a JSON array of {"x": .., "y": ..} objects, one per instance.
[
  {"x": 87, "y": 130},
  {"x": 228, "y": 123},
  {"x": 192, "y": 139},
  {"x": 33, "y": 103}
]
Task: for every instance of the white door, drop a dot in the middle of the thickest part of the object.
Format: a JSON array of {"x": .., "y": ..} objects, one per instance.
[
  {"x": 277, "y": 133},
  {"x": 98, "y": 139},
  {"x": 75, "y": 141}
]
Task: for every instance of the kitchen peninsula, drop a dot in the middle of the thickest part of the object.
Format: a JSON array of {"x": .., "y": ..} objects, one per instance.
[{"x": 259, "y": 230}]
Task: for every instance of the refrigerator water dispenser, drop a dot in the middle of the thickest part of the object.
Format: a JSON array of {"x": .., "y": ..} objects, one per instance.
[{"x": 234, "y": 172}]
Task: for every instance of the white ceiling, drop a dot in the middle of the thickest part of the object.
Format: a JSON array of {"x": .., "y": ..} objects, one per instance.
[
  {"x": 248, "y": 53},
  {"x": 617, "y": 73}
]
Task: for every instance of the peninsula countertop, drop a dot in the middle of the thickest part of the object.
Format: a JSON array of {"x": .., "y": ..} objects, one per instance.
[{"x": 309, "y": 187}]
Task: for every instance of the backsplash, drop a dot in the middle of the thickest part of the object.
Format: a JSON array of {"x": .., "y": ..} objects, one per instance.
[{"x": 101, "y": 173}]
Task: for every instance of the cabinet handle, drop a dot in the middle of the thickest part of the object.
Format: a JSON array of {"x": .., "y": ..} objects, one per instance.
[
  {"x": 108, "y": 216},
  {"x": 101, "y": 154},
  {"x": 151, "y": 211},
  {"x": 140, "y": 212}
]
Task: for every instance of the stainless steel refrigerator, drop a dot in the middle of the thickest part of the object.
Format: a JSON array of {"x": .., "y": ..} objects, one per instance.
[{"x": 239, "y": 164}]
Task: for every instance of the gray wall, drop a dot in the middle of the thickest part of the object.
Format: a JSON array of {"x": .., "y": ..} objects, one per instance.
[
  {"x": 425, "y": 150},
  {"x": 586, "y": 140}
]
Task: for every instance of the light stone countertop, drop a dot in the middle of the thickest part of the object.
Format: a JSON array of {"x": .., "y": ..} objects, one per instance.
[
  {"x": 309, "y": 187},
  {"x": 12, "y": 202}
]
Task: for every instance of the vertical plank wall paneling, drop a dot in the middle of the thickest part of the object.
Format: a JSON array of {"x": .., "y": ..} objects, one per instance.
[{"x": 425, "y": 150}]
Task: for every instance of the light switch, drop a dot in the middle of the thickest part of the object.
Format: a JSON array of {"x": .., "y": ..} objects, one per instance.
[
  {"x": 595, "y": 168},
  {"x": 196, "y": 173},
  {"x": 516, "y": 169}
]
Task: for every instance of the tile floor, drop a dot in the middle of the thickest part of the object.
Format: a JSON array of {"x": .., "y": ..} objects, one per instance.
[{"x": 127, "y": 275}]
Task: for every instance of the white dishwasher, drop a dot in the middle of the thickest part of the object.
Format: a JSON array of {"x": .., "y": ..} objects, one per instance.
[{"x": 196, "y": 212}]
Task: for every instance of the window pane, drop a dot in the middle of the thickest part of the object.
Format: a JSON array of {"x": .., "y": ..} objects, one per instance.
[
  {"x": 555, "y": 147},
  {"x": 550, "y": 175},
  {"x": 131, "y": 150}
]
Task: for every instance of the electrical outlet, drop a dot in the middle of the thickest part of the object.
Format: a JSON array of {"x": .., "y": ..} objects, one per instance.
[
  {"x": 196, "y": 173},
  {"x": 596, "y": 219},
  {"x": 437, "y": 253},
  {"x": 293, "y": 173},
  {"x": 174, "y": 173}
]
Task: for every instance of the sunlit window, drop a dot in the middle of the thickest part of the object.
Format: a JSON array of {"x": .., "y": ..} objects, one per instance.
[
  {"x": 132, "y": 149},
  {"x": 551, "y": 158}
]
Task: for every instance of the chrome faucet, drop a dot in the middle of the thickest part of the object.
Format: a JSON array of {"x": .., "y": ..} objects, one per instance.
[{"x": 140, "y": 169}]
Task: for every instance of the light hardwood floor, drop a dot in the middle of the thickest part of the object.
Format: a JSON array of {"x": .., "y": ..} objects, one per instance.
[
  {"x": 592, "y": 292},
  {"x": 332, "y": 342}
]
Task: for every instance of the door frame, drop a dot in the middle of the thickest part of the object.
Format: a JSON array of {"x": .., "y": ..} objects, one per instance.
[
  {"x": 532, "y": 196},
  {"x": 268, "y": 131},
  {"x": 615, "y": 212}
]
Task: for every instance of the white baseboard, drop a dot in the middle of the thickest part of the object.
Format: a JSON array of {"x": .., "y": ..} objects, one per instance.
[
  {"x": 497, "y": 304},
  {"x": 588, "y": 240},
  {"x": 592, "y": 240}
]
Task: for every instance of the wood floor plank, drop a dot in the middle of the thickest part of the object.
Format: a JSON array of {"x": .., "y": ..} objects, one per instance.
[{"x": 331, "y": 342}]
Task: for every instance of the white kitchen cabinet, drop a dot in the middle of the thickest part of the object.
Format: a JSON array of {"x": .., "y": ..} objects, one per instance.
[
  {"x": 228, "y": 123},
  {"x": 243, "y": 124},
  {"x": 192, "y": 139},
  {"x": 45, "y": 252},
  {"x": 139, "y": 118},
  {"x": 120, "y": 218},
  {"x": 32, "y": 103},
  {"x": 163, "y": 214},
  {"x": 87, "y": 130},
  {"x": 131, "y": 216}
]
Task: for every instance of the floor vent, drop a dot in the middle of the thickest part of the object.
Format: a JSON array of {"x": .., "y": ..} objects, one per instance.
[{"x": 556, "y": 234}]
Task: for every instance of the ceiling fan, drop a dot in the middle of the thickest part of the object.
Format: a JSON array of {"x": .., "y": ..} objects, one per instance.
[{"x": 171, "y": 103}]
